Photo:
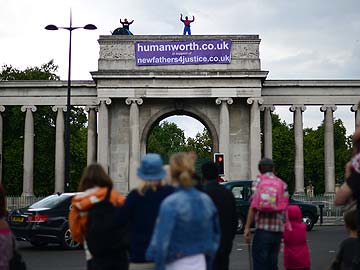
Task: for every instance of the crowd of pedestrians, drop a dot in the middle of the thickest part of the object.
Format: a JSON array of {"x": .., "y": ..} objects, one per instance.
[{"x": 175, "y": 220}]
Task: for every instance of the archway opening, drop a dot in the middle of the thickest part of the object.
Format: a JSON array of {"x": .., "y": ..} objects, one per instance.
[{"x": 181, "y": 133}]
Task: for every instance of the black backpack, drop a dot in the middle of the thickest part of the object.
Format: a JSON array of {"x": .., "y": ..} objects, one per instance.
[{"x": 103, "y": 236}]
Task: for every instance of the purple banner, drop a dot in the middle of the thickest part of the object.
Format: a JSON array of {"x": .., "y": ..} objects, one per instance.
[{"x": 189, "y": 52}]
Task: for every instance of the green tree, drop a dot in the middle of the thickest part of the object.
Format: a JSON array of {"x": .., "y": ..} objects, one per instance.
[
  {"x": 202, "y": 145},
  {"x": 314, "y": 154},
  {"x": 166, "y": 139},
  {"x": 44, "y": 143},
  {"x": 284, "y": 153},
  {"x": 283, "y": 150}
]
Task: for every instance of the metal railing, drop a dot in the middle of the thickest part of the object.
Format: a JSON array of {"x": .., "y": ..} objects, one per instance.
[
  {"x": 331, "y": 214},
  {"x": 15, "y": 202}
]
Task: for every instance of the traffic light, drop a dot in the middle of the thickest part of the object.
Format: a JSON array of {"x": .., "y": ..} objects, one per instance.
[{"x": 219, "y": 160}]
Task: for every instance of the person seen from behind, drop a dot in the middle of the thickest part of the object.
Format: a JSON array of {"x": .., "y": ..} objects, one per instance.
[
  {"x": 269, "y": 215},
  {"x": 296, "y": 251},
  {"x": 195, "y": 177},
  {"x": 349, "y": 192},
  {"x": 186, "y": 23},
  {"x": 95, "y": 186},
  {"x": 187, "y": 233},
  {"x": 225, "y": 204},
  {"x": 141, "y": 208},
  {"x": 6, "y": 237},
  {"x": 344, "y": 257}
]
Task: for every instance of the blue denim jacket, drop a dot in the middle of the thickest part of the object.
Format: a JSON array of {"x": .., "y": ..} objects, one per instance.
[{"x": 187, "y": 224}]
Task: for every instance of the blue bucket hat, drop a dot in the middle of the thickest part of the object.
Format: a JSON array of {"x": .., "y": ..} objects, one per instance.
[{"x": 151, "y": 168}]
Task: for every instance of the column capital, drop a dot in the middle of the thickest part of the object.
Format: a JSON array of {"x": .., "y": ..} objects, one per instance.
[
  {"x": 326, "y": 107},
  {"x": 26, "y": 107},
  {"x": 92, "y": 107},
  {"x": 138, "y": 101},
  {"x": 355, "y": 108},
  {"x": 259, "y": 101},
  {"x": 295, "y": 107},
  {"x": 271, "y": 108},
  {"x": 56, "y": 108},
  {"x": 228, "y": 100},
  {"x": 106, "y": 101},
  {"x": 2, "y": 108}
]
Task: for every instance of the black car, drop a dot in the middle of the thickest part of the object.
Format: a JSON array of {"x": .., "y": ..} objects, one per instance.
[
  {"x": 44, "y": 222},
  {"x": 242, "y": 193}
]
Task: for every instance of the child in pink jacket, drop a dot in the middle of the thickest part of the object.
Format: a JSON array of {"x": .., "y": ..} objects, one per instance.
[{"x": 296, "y": 252}]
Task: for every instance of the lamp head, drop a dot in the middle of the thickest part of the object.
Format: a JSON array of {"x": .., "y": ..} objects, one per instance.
[
  {"x": 51, "y": 27},
  {"x": 90, "y": 27}
]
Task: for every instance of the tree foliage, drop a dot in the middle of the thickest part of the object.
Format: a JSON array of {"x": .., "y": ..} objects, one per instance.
[
  {"x": 167, "y": 138},
  {"x": 44, "y": 140},
  {"x": 314, "y": 154},
  {"x": 202, "y": 146},
  {"x": 284, "y": 153},
  {"x": 283, "y": 150}
]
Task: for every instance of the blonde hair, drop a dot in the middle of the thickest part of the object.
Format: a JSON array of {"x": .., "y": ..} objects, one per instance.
[
  {"x": 182, "y": 169},
  {"x": 146, "y": 185},
  {"x": 167, "y": 180}
]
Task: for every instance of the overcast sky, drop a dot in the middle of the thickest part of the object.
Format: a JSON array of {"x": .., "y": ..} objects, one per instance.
[{"x": 301, "y": 39}]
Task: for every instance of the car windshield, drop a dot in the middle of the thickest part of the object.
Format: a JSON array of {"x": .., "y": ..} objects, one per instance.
[{"x": 50, "y": 201}]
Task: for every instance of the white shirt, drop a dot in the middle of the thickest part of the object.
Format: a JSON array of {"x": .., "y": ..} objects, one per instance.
[{"x": 194, "y": 262}]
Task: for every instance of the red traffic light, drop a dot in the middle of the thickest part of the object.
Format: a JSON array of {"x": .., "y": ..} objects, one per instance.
[{"x": 219, "y": 160}]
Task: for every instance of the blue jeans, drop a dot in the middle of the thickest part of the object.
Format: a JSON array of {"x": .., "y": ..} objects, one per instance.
[
  {"x": 187, "y": 30},
  {"x": 265, "y": 250}
]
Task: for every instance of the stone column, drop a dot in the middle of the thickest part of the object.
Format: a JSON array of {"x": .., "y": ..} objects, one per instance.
[
  {"x": 134, "y": 155},
  {"x": 356, "y": 109},
  {"x": 254, "y": 140},
  {"x": 268, "y": 109},
  {"x": 103, "y": 136},
  {"x": 91, "y": 134},
  {"x": 299, "y": 147},
  {"x": 224, "y": 130},
  {"x": 2, "y": 109},
  {"x": 59, "y": 148},
  {"x": 28, "y": 176},
  {"x": 329, "y": 156}
]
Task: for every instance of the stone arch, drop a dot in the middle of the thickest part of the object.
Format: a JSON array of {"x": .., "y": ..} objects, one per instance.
[{"x": 170, "y": 111}]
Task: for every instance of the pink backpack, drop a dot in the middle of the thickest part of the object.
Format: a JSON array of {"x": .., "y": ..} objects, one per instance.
[{"x": 269, "y": 195}]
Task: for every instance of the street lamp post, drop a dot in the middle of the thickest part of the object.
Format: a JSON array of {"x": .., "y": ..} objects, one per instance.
[{"x": 68, "y": 101}]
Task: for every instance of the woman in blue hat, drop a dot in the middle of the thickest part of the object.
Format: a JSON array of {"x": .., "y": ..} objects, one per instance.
[{"x": 141, "y": 209}]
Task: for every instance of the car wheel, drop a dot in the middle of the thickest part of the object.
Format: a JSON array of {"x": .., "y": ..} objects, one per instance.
[
  {"x": 38, "y": 244},
  {"x": 241, "y": 225},
  {"x": 67, "y": 241},
  {"x": 308, "y": 220}
]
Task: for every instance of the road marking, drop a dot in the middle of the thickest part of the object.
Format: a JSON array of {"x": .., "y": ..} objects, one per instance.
[
  {"x": 332, "y": 251},
  {"x": 239, "y": 249}
]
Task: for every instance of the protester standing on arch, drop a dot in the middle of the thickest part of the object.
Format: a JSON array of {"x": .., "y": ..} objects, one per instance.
[
  {"x": 225, "y": 204},
  {"x": 186, "y": 23},
  {"x": 141, "y": 208},
  {"x": 126, "y": 24},
  {"x": 268, "y": 208},
  {"x": 187, "y": 233}
]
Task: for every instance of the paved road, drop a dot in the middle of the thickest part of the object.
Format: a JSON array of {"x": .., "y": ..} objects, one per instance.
[{"x": 323, "y": 243}]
